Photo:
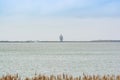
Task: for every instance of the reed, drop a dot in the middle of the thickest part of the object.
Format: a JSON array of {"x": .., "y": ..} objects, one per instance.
[{"x": 62, "y": 77}]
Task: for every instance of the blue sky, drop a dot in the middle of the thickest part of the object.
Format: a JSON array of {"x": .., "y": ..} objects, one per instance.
[
  {"x": 60, "y": 7},
  {"x": 46, "y": 19}
]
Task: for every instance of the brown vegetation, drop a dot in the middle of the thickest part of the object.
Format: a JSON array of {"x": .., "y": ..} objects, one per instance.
[{"x": 63, "y": 77}]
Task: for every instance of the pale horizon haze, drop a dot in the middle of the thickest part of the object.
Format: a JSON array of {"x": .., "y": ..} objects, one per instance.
[{"x": 45, "y": 20}]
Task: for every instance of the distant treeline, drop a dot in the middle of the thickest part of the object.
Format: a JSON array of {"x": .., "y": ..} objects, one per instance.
[
  {"x": 16, "y": 41},
  {"x": 30, "y": 41},
  {"x": 105, "y": 41}
]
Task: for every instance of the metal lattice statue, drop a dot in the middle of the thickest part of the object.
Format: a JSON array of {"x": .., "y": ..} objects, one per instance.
[{"x": 61, "y": 38}]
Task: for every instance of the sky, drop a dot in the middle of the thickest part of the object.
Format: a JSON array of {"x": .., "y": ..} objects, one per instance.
[{"x": 45, "y": 20}]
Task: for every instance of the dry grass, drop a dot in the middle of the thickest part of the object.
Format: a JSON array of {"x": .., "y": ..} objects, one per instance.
[{"x": 62, "y": 77}]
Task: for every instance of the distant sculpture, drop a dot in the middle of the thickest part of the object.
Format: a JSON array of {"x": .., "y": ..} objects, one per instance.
[{"x": 61, "y": 38}]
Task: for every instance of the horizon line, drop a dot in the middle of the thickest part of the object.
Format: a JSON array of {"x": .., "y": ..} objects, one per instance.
[{"x": 33, "y": 41}]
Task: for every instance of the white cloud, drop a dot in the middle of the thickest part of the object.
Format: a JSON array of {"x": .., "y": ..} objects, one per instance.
[{"x": 36, "y": 28}]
